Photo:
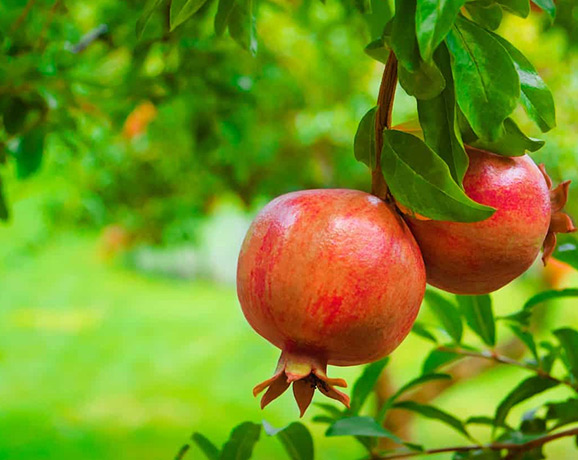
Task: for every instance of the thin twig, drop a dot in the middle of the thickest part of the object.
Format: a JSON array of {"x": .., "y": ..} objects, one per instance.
[
  {"x": 47, "y": 24},
  {"x": 512, "y": 447},
  {"x": 20, "y": 19},
  {"x": 383, "y": 121},
  {"x": 491, "y": 355}
]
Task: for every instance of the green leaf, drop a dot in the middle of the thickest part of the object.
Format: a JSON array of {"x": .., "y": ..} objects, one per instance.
[
  {"x": 488, "y": 15},
  {"x": 241, "y": 442},
  {"x": 14, "y": 115},
  {"x": 432, "y": 192},
  {"x": 4, "y": 214},
  {"x": 563, "y": 412},
  {"x": 378, "y": 50},
  {"x": 479, "y": 315},
  {"x": 512, "y": 142},
  {"x": 525, "y": 390},
  {"x": 447, "y": 313},
  {"x": 438, "y": 119},
  {"x": 417, "y": 77},
  {"x": 434, "y": 413},
  {"x": 528, "y": 339},
  {"x": 178, "y": 16},
  {"x": 222, "y": 16},
  {"x": 548, "y": 6},
  {"x": 365, "y": 384},
  {"x": 487, "y": 84},
  {"x": 363, "y": 6},
  {"x": 243, "y": 25},
  {"x": 330, "y": 409},
  {"x": 548, "y": 359},
  {"x": 518, "y": 7},
  {"x": 146, "y": 14},
  {"x": 567, "y": 250},
  {"x": 437, "y": 359},
  {"x": 364, "y": 141},
  {"x": 480, "y": 420},
  {"x": 206, "y": 446},
  {"x": 28, "y": 154},
  {"x": 568, "y": 339},
  {"x": 296, "y": 440},
  {"x": 419, "y": 329},
  {"x": 360, "y": 426},
  {"x": 536, "y": 97},
  {"x": 381, "y": 14},
  {"x": 548, "y": 295},
  {"x": 433, "y": 21}
]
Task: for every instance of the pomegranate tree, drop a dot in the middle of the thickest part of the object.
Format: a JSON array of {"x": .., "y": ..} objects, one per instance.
[
  {"x": 329, "y": 277},
  {"x": 480, "y": 257}
]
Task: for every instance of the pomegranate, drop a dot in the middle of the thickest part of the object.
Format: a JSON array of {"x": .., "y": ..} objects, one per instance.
[
  {"x": 480, "y": 257},
  {"x": 329, "y": 277}
]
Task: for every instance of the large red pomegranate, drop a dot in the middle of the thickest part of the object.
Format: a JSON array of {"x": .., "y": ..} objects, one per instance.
[
  {"x": 480, "y": 257},
  {"x": 329, "y": 277}
]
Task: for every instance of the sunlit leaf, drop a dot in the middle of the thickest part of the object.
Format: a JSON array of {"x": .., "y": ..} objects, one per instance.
[
  {"x": 567, "y": 250},
  {"x": 478, "y": 312}
]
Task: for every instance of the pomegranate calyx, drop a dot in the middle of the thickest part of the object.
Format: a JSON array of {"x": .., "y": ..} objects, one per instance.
[
  {"x": 306, "y": 374},
  {"x": 560, "y": 222}
]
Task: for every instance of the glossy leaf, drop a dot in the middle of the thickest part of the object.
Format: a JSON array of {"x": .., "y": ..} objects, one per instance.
[
  {"x": 433, "y": 21},
  {"x": 438, "y": 119},
  {"x": 536, "y": 97},
  {"x": 296, "y": 440},
  {"x": 525, "y": 390},
  {"x": 567, "y": 250},
  {"x": 378, "y": 50},
  {"x": 222, "y": 17},
  {"x": 243, "y": 25},
  {"x": 146, "y": 14},
  {"x": 477, "y": 310},
  {"x": 360, "y": 426},
  {"x": 447, "y": 313},
  {"x": 512, "y": 142},
  {"x": 185, "y": 12},
  {"x": 29, "y": 153},
  {"x": 381, "y": 14},
  {"x": 424, "y": 83},
  {"x": 207, "y": 447},
  {"x": 421, "y": 181},
  {"x": 364, "y": 141},
  {"x": 241, "y": 442},
  {"x": 518, "y": 7},
  {"x": 437, "y": 359},
  {"x": 419, "y": 329},
  {"x": 487, "y": 84},
  {"x": 434, "y": 413},
  {"x": 548, "y": 6},
  {"x": 365, "y": 384},
  {"x": 568, "y": 339},
  {"x": 488, "y": 15}
]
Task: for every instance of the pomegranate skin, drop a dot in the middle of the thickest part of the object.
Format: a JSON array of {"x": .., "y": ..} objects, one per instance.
[
  {"x": 481, "y": 257},
  {"x": 328, "y": 276}
]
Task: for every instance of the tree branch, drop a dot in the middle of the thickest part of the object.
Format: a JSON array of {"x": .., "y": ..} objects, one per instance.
[{"x": 510, "y": 446}]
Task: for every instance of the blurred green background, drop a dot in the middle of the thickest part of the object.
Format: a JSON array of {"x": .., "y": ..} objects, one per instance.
[{"x": 120, "y": 332}]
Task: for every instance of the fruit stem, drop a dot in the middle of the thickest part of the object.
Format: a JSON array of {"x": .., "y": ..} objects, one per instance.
[{"x": 383, "y": 115}]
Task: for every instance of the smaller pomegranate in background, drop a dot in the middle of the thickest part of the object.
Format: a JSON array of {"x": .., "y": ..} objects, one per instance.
[
  {"x": 329, "y": 277},
  {"x": 481, "y": 257}
]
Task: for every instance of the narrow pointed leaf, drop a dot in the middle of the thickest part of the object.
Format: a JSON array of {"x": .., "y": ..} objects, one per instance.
[
  {"x": 434, "y": 413},
  {"x": 146, "y": 14},
  {"x": 419, "y": 329},
  {"x": 365, "y": 384},
  {"x": 568, "y": 339},
  {"x": 296, "y": 440},
  {"x": 185, "y": 12},
  {"x": 525, "y": 390},
  {"x": 477, "y": 310},
  {"x": 378, "y": 50},
  {"x": 548, "y": 295},
  {"x": 527, "y": 338},
  {"x": 421, "y": 181},
  {"x": 364, "y": 141},
  {"x": 487, "y": 84},
  {"x": 241, "y": 442},
  {"x": 434, "y": 19},
  {"x": 361, "y": 426},
  {"x": 222, "y": 17},
  {"x": 437, "y": 359},
  {"x": 518, "y": 7},
  {"x": 438, "y": 119},
  {"x": 447, "y": 313},
  {"x": 536, "y": 97},
  {"x": 564, "y": 412},
  {"x": 243, "y": 26},
  {"x": 207, "y": 447}
]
